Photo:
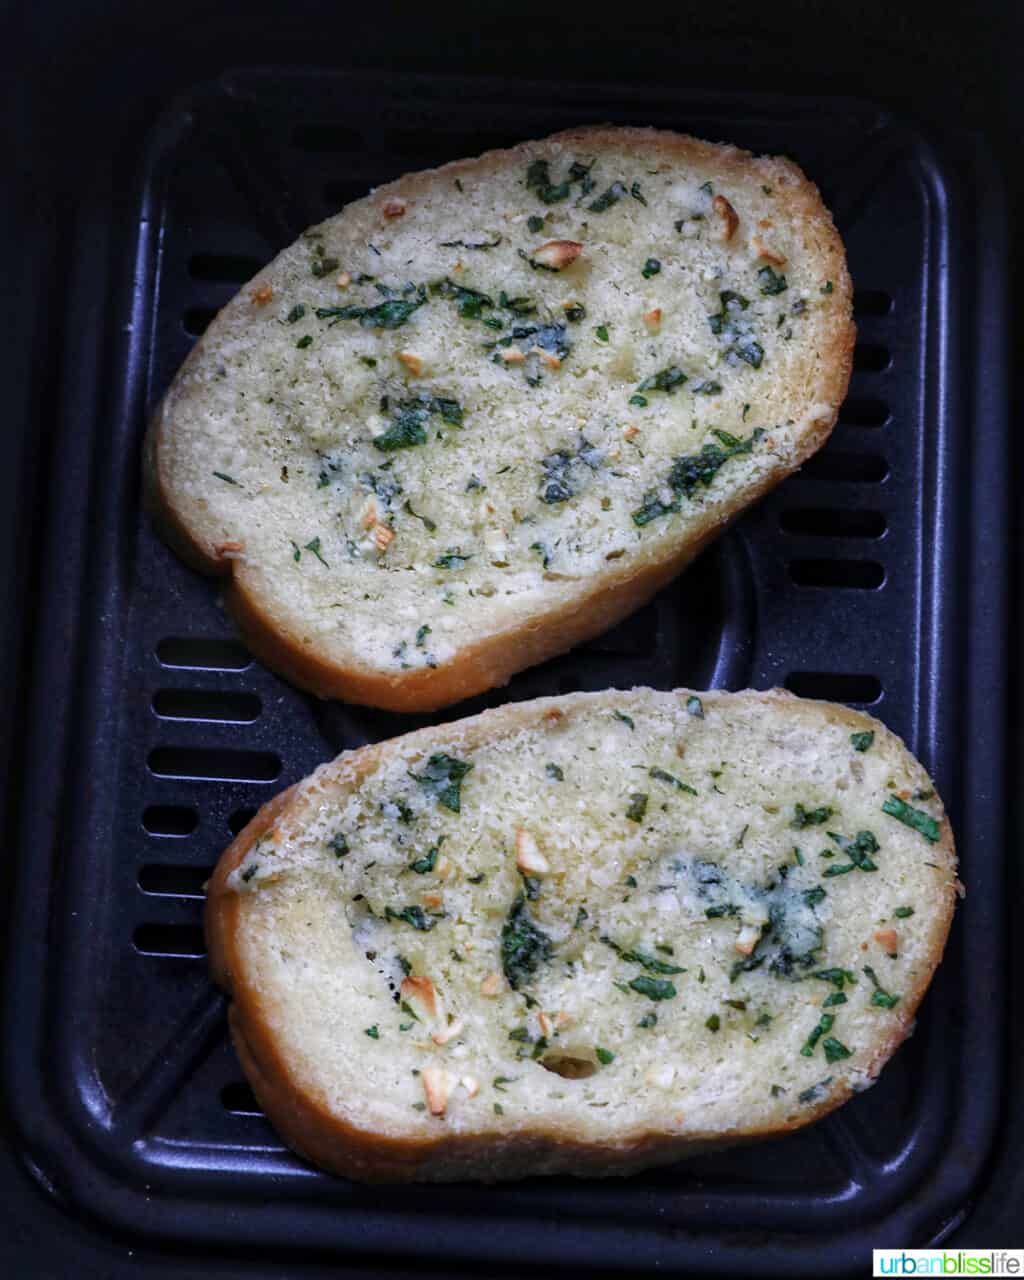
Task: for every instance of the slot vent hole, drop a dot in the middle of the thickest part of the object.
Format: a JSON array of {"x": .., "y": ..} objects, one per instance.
[
  {"x": 872, "y": 302},
  {"x": 853, "y": 468},
  {"x": 181, "y": 940},
  {"x": 229, "y": 267},
  {"x": 824, "y": 522},
  {"x": 170, "y": 820},
  {"x": 239, "y": 1099},
  {"x": 202, "y": 704},
  {"x": 196, "y": 320},
  {"x": 178, "y": 881},
  {"x": 212, "y": 764},
  {"x": 240, "y": 819},
  {"x": 203, "y": 653},
  {"x": 858, "y": 575},
  {"x": 871, "y": 357}
]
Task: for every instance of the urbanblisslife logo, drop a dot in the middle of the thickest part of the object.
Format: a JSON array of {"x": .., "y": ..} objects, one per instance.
[{"x": 948, "y": 1262}]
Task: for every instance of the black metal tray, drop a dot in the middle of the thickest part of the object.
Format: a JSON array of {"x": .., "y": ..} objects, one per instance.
[{"x": 874, "y": 577}]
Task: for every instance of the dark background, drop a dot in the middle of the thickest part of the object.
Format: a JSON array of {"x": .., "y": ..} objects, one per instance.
[{"x": 85, "y": 81}]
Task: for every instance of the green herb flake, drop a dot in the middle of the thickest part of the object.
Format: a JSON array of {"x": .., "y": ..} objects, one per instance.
[
  {"x": 581, "y": 916},
  {"x": 604, "y": 1056},
  {"x": 314, "y": 546},
  {"x": 880, "y": 998},
  {"x": 691, "y": 472},
  {"x": 835, "y": 1050},
  {"x": 626, "y": 720},
  {"x": 648, "y": 1020},
  {"x": 607, "y": 198},
  {"x": 499, "y": 1110},
  {"x": 862, "y": 741},
  {"x": 296, "y": 313},
  {"x": 427, "y": 863},
  {"x": 834, "y": 998},
  {"x": 636, "y": 193},
  {"x": 524, "y": 947},
  {"x": 771, "y": 283},
  {"x": 535, "y": 223},
  {"x": 637, "y": 807},
  {"x": 602, "y": 332},
  {"x": 452, "y": 559},
  {"x": 554, "y": 772},
  {"x": 414, "y": 916},
  {"x": 305, "y": 341},
  {"x": 837, "y": 977},
  {"x": 338, "y": 844},
  {"x": 653, "y": 988},
  {"x": 372, "y": 1032},
  {"x": 916, "y": 819},
  {"x": 714, "y": 1022},
  {"x": 813, "y": 896},
  {"x": 666, "y": 380},
  {"x": 426, "y": 521},
  {"x": 661, "y": 775},
  {"x": 221, "y": 475},
  {"x": 390, "y": 314},
  {"x": 815, "y": 1091},
  {"x": 823, "y": 1028},
  {"x": 641, "y": 401},
  {"x": 642, "y": 958},
  {"x": 827, "y": 287},
  {"x": 651, "y": 267},
  {"x": 249, "y": 872},
  {"x": 442, "y": 777},
  {"x": 810, "y": 817},
  {"x": 902, "y": 913},
  {"x": 695, "y": 707}
]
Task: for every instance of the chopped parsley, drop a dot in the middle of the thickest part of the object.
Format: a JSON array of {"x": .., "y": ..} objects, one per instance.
[
  {"x": 636, "y": 193},
  {"x": 810, "y": 817},
  {"x": 314, "y": 546},
  {"x": 426, "y": 521},
  {"x": 815, "y": 1091},
  {"x": 409, "y": 424},
  {"x": 305, "y": 341},
  {"x": 837, "y": 977},
  {"x": 442, "y": 777},
  {"x": 862, "y": 741},
  {"x": 652, "y": 988},
  {"x": 714, "y": 1022},
  {"x": 296, "y": 313},
  {"x": 414, "y": 916},
  {"x": 642, "y": 958},
  {"x": 611, "y": 196},
  {"x": 648, "y": 1020},
  {"x": 695, "y": 707},
  {"x": 813, "y": 896},
  {"x": 858, "y": 850},
  {"x": 249, "y": 872},
  {"x": 667, "y": 380},
  {"x": 428, "y": 862},
  {"x": 372, "y": 1032},
  {"x": 693, "y": 471},
  {"x": 771, "y": 283},
  {"x": 390, "y": 314},
  {"x": 835, "y": 1050},
  {"x": 221, "y": 475},
  {"x": 901, "y": 913},
  {"x": 661, "y": 775},
  {"x": 822, "y": 1029},
  {"x": 338, "y": 844},
  {"x": 452, "y": 559},
  {"x": 554, "y": 772},
  {"x": 524, "y": 947},
  {"x": 626, "y": 720},
  {"x": 917, "y": 819},
  {"x": 637, "y": 807},
  {"x": 538, "y": 180},
  {"x": 602, "y": 332},
  {"x": 535, "y": 222},
  {"x": 880, "y": 998},
  {"x": 604, "y": 1056},
  {"x": 650, "y": 268}
]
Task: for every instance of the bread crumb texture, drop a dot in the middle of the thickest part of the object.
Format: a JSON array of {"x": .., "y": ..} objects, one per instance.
[
  {"x": 703, "y": 915},
  {"x": 426, "y": 427}
]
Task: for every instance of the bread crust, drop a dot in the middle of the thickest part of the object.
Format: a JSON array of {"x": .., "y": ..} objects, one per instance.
[
  {"x": 597, "y": 604},
  {"x": 321, "y": 1136}
]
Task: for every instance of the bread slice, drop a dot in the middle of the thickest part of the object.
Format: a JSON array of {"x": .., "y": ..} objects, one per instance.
[
  {"x": 489, "y": 410},
  {"x": 583, "y": 935}
]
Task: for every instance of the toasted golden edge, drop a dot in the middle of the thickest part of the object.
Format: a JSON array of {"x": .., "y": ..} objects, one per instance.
[
  {"x": 326, "y": 1140},
  {"x": 597, "y": 605}
]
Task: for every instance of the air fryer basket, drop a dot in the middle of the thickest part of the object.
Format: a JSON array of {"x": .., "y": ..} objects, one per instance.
[{"x": 870, "y": 578}]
